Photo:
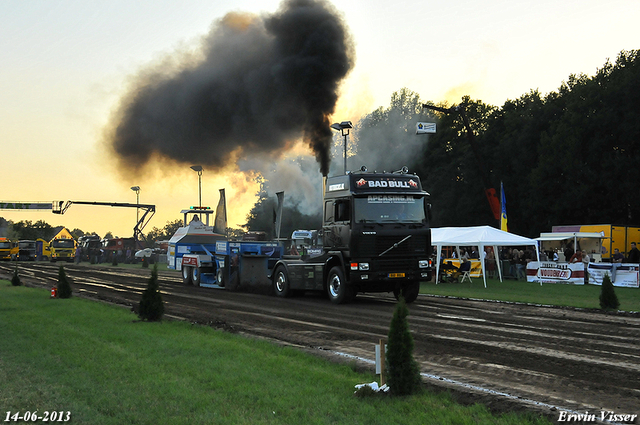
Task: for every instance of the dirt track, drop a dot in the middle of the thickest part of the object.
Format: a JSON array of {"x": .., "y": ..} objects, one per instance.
[{"x": 509, "y": 356}]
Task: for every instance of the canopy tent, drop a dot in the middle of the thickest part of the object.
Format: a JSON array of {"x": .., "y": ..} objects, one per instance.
[
  {"x": 479, "y": 236},
  {"x": 577, "y": 237}
]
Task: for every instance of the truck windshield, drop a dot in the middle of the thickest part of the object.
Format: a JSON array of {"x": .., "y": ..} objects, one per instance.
[
  {"x": 63, "y": 243},
  {"x": 26, "y": 245},
  {"x": 389, "y": 208},
  {"x": 5, "y": 245}
]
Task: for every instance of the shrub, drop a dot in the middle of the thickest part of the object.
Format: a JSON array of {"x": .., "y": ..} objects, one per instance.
[
  {"x": 64, "y": 288},
  {"x": 151, "y": 306},
  {"x": 608, "y": 298},
  {"x": 114, "y": 262},
  {"x": 15, "y": 280},
  {"x": 145, "y": 264},
  {"x": 403, "y": 372}
]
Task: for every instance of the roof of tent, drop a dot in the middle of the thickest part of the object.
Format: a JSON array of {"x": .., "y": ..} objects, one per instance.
[
  {"x": 475, "y": 236},
  {"x": 558, "y": 236}
]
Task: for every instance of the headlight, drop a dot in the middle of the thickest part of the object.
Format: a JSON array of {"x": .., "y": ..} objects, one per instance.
[
  {"x": 423, "y": 264},
  {"x": 363, "y": 266}
]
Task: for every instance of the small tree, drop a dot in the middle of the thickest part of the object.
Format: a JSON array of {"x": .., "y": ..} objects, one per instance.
[
  {"x": 403, "y": 372},
  {"x": 15, "y": 280},
  {"x": 145, "y": 264},
  {"x": 151, "y": 306},
  {"x": 114, "y": 261},
  {"x": 608, "y": 298},
  {"x": 64, "y": 288}
]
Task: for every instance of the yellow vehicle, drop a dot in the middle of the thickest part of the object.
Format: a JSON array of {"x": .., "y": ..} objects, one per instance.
[
  {"x": 63, "y": 250},
  {"x": 8, "y": 249}
]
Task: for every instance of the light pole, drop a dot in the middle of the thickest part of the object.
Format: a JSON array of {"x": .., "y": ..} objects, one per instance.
[
  {"x": 198, "y": 169},
  {"x": 136, "y": 189},
  {"x": 344, "y": 127}
]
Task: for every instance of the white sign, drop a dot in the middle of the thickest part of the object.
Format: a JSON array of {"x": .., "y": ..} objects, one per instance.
[
  {"x": 624, "y": 275},
  {"x": 552, "y": 272},
  {"x": 425, "y": 128}
]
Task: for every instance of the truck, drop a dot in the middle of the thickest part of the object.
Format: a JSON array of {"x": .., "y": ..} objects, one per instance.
[
  {"x": 26, "y": 250},
  {"x": 62, "y": 249},
  {"x": 376, "y": 238},
  {"x": 89, "y": 247},
  {"x": 8, "y": 249}
]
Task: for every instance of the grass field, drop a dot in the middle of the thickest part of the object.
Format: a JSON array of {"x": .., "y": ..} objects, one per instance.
[
  {"x": 583, "y": 296},
  {"x": 102, "y": 365}
]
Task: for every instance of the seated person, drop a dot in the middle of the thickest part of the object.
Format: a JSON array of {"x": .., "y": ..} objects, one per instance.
[
  {"x": 466, "y": 266},
  {"x": 617, "y": 257},
  {"x": 448, "y": 270}
]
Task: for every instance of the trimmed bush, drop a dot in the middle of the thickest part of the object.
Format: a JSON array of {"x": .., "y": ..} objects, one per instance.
[
  {"x": 15, "y": 279},
  {"x": 151, "y": 306},
  {"x": 145, "y": 264},
  {"x": 403, "y": 372},
  {"x": 608, "y": 297},
  {"x": 114, "y": 262},
  {"x": 64, "y": 288}
]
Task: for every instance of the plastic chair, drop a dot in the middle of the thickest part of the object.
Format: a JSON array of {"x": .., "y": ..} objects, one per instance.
[{"x": 465, "y": 270}]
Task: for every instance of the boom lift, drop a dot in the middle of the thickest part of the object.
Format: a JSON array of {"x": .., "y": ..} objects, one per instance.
[{"x": 60, "y": 207}]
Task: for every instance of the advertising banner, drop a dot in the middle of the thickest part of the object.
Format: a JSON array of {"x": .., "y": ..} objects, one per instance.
[
  {"x": 551, "y": 272},
  {"x": 621, "y": 274}
]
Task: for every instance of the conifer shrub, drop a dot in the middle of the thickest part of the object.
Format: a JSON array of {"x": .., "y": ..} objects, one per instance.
[
  {"x": 114, "y": 262},
  {"x": 15, "y": 279},
  {"x": 145, "y": 264},
  {"x": 64, "y": 288},
  {"x": 151, "y": 307},
  {"x": 608, "y": 297},
  {"x": 403, "y": 373}
]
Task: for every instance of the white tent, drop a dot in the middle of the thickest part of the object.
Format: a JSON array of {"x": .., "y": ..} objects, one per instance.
[{"x": 479, "y": 236}]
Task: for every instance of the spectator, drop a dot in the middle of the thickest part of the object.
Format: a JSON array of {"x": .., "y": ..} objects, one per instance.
[
  {"x": 617, "y": 256},
  {"x": 634, "y": 254},
  {"x": 576, "y": 258},
  {"x": 77, "y": 254}
]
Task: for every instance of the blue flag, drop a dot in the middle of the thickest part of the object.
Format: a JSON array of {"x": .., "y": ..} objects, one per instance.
[{"x": 503, "y": 216}]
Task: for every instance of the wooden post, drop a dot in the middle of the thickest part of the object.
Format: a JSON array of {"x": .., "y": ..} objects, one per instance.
[{"x": 382, "y": 365}]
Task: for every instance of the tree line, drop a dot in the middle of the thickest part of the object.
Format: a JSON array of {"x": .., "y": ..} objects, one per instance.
[{"x": 568, "y": 157}]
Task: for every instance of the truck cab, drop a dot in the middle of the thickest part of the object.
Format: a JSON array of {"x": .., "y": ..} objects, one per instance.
[
  {"x": 376, "y": 238},
  {"x": 63, "y": 249},
  {"x": 26, "y": 250},
  {"x": 8, "y": 249}
]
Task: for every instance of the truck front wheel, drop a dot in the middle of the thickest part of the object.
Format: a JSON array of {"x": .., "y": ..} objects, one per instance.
[
  {"x": 281, "y": 282},
  {"x": 337, "y": 288},
  {"x": 186, "y": 275},
  {"x": 410, "y": 292}
]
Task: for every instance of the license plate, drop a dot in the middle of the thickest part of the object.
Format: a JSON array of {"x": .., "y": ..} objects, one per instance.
[{"x": 392, "y": 275}]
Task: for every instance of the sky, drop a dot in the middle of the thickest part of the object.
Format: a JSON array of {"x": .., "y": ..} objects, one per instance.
[{"x": 66, "y": 65}]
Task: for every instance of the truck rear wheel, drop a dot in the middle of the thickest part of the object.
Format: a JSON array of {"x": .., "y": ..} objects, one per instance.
[
  {"x": 220, "y": 277},
  {"x": 337, "y": 288},
  {"x": 195, "y": 276},
  {"x": 410, "y": 292},
  {"x": 186, "y": 275},
  {"x": 281, "y": 283}
]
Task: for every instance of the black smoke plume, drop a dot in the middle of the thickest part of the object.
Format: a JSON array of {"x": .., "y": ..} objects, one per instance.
[{"x": 258, "y": 84}]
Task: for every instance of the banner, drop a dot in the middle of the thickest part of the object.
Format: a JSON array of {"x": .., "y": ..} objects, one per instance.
[
  {"x": 551, "y": 272},
  {"x": 621, "y": 274}
]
